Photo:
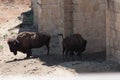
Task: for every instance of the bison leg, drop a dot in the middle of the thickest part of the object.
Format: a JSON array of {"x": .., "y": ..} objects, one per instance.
[
  {"x": 71, "y": 53},
  {"x": 48, "y": 48},
  {"x": 63, "y": 51},
  {"x": 66, "y": 53},
  {"x": 29, "y": 53},
  {"x": 79, "y": 54}
]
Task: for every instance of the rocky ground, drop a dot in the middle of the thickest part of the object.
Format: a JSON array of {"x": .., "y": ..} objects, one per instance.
[{"x": 52, "y": 65}]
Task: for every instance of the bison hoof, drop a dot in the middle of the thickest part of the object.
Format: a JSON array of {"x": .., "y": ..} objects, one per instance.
[{"x": 27, "y": 57}]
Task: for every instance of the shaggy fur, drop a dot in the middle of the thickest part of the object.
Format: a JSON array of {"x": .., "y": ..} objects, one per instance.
[
  {"x": 73, "y": 43},
  {"x": 25, "y": 41}
]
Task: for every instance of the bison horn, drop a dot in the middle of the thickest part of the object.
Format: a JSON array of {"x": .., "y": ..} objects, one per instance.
[{"x": 17, "y": 41}]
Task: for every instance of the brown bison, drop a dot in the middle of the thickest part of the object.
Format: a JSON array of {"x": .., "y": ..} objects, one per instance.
[
  {"x": 73, "y": 43},
  {"x": 25, "y": 41}
]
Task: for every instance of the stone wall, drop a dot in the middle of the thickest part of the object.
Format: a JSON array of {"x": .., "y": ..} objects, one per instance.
[
  {"x": 87, "y": 17},
  {"x": 113, "y": 30}
]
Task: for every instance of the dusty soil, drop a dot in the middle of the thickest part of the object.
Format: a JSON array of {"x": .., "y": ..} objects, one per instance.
[
  {"x": 17, "y": 65},
  {"x": 43, "y": 65}
]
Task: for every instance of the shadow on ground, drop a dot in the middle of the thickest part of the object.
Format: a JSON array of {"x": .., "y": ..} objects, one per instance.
[{"x": 56, "y": 59}]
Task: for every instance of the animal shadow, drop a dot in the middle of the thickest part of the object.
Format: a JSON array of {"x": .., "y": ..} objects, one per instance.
[{"x": 23, "y": 59}]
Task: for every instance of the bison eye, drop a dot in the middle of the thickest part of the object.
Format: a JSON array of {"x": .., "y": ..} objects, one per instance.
[{"x": 14, "y": 43}]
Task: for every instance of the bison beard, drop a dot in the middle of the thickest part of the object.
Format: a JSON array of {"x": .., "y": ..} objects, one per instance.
[
  {"x": 25, "y": 41},
  {"x": 73, "y": 43}
]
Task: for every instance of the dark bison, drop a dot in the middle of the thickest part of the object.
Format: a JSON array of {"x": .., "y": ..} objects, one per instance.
[
  {"x": 25, "y": 41},
  {"x": 73, "y": 43}
]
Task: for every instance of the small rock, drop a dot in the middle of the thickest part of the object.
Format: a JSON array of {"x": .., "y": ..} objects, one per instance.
[
  {"x": 12, "y": 57},
  {"x": 15, "y": 59},
  {"x": 24, "y": 66},
  {"x": 34, "y": 69}
]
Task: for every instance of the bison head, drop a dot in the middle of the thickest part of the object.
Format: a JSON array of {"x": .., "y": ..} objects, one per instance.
[{"x": 13, "y": 45}]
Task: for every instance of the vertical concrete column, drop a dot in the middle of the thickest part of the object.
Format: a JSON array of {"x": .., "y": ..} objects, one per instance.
[
  {"x": 68, "y": 17},
  {"x": 113, "y": 30},
  {"x": 49, "y": 18},
  {"x": 36, "y": 8}
]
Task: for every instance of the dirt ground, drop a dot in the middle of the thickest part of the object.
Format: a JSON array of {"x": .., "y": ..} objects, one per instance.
[
  {"x": 43, "y": 65},
  {"x": 34, "y": 66}
]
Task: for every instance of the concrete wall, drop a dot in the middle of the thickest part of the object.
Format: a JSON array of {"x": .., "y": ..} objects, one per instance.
[
  {"x": 36, "y": 8},
  {"x": 49, "y": 16},
  {"x": 68, "y": 16},
  {"x": 87, "y": 17},
  {"x": 113, "y": 30}
]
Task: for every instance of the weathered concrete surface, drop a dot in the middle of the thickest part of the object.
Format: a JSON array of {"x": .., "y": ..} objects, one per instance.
[
  {"x": 87, "y": 17},
  {"x": 113, "y": 30}
]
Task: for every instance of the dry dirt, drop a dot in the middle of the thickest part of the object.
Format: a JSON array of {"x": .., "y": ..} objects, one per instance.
[
  {"x": 44, "y": 65},
  {"x": 8, "y": 65}
]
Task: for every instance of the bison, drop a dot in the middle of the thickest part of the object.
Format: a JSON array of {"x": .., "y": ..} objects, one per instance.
[
  {"x": 25, "y": 41},
  {"x": 73, "y": 43}
]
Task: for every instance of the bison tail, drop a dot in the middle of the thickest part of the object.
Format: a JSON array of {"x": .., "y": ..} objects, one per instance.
[
  {"x": 60, "y": 35},
  {"x": 85, "y": 43}
]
